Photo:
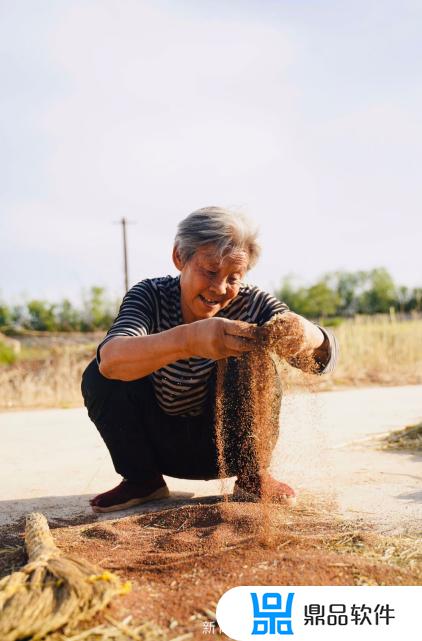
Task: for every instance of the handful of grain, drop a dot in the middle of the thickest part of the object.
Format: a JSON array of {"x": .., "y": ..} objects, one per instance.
[{"x": 284, "y": 336}]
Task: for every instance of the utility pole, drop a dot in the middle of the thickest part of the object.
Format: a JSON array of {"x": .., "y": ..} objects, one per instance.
[{"x": 124, "y": 222}]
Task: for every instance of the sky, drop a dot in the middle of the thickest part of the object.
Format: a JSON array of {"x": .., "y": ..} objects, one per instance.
[{"x": 306, "y": 116}]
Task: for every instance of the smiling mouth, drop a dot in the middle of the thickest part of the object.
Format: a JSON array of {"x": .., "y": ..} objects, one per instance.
[{"x": 208, "y": 301}]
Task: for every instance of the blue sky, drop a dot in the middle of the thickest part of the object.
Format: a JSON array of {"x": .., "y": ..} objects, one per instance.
[{"x": 305, "y": 115}]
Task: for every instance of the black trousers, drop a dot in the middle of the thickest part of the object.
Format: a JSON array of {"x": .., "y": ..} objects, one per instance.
[{"x": 144, "y": 441}]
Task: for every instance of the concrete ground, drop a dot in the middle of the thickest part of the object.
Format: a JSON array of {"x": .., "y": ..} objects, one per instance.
[{"x": 54, "y": 460}]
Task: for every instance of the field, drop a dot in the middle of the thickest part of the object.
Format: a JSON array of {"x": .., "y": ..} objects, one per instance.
[
  {"x": 48, "y": 370},
  {"x": 378, "y": 351}
]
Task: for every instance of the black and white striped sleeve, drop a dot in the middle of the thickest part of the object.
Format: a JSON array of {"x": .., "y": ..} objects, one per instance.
[{"x": 138, "y": 314}]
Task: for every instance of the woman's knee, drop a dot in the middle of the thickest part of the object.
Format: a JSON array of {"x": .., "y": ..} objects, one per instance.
[
  {"x": 96, "y": 389},
  {"x": 91, "y": 380}
]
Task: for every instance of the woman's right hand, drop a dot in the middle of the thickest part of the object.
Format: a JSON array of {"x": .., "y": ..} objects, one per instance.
[{"x": 217, "y": 338}]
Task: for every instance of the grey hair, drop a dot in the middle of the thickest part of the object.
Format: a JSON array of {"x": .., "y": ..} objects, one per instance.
[{"x": 228, "y": 231}]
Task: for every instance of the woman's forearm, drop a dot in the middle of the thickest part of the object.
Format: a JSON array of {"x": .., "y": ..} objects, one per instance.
[
  {"x": 313, "y": 336},
  {"x": 297, "y": 340},
  {"x": 127, "y": 358},
  {"x": 314, "y": 348}
]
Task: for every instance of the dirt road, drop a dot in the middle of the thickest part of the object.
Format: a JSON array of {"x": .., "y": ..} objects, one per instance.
[{"x": 54, "y": 460}]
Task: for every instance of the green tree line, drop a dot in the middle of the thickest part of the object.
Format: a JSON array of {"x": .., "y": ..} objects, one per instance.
[
  {"x": 337, "y": 294},
  {"x": 97, "y": 312},
  {"x": 345, "y": 294}
]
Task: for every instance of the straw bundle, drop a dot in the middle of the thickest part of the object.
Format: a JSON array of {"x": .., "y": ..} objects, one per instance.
[{"x": 52, "y": 590}]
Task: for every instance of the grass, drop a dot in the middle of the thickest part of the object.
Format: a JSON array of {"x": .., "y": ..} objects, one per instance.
[
  {"x": 409, "y": 438},
  {"x": 373, "y": 351},
  {"x": 113, "y": 630},
  {"x": 379, "y": 352},
  {"x": 7, "y": 355},
  {"x": 46, "y": 375}
]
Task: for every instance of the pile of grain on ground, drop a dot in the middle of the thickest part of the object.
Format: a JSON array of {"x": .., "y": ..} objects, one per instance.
[{"x": 182, "y": 560}]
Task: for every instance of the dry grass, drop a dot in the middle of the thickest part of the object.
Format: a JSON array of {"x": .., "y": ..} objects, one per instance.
[
  {"x": 372, "y": 352},
  {"x": 378, "y": 351},
  {"x": 113, "y": 630},
  {"x": 409, "y": 438},
  {"x": 50, "y": 382}
]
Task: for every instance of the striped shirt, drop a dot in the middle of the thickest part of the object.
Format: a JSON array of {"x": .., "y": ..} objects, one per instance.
[{"x": 153, "y": 306}]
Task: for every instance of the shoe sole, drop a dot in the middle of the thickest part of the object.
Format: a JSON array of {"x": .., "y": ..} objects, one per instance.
[
  {"x": 243, "y": 495},
  {"x": 161, "y": 493}
]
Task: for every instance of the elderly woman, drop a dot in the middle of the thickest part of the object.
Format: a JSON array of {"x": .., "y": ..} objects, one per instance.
[{"x": 151, "y": 389}]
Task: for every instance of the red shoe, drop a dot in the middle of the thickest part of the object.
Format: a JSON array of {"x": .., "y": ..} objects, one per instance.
[
  {"x": 128, "y": 494},
  {"x": 264, "y": 486}
]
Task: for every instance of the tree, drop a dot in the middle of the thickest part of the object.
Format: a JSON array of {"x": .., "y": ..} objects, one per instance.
[
  {"x": 19, "y": 315},
  {"x": 41, "y": 316},
  {"x": 5, "y": 315},
  {"x": 295, "y": 298},
  {"x": 321, "y": 301},
  {"x": 316, "y": 301},
  {"x": 402, "y": 297},
  {"x": 98, "y": 311},
  {"x": 343, "y": 293},
  {"x": 68, "y": 317},
  {"x": 348, "y": 286},
  {"x": 380, "y": 295},
  {"x": 414, "y": 302}
]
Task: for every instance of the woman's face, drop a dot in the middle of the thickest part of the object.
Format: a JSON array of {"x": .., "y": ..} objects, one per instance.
[{"x": 209, "y": 283}]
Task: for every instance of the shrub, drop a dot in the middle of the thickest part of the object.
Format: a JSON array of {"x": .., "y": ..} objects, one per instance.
[{"x": 7, "y": 355}]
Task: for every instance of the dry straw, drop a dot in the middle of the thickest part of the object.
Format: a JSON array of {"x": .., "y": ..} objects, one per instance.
[{"x": 52, "y": 591}]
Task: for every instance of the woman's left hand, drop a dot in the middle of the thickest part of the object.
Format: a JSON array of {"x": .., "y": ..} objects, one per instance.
[{"x": 296, "y": 335}]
